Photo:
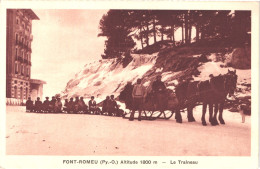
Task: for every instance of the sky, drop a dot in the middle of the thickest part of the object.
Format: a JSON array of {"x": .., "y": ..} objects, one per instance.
[{"x": 63, "y": 42}]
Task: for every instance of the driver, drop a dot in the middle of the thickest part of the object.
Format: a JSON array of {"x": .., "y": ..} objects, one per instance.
[{"x": 159, "y": 89}]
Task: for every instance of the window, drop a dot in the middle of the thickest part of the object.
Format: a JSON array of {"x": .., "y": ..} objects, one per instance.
[
  {"x": 15, "y": 82},
  {"x": 15, "y": 92},
  {"x": 17, "y": 21},
  {"x": 26, "y": 93},
  {"x": 19, "y": 68},
  {"x": 21, "y": 93},
  {"x": 16, "y": 70},
  {"x": 25, "y": 70},
  {"x": 22, "y": 69},
  {"x": 16, "y": 54},
  {"x": 16, "y": 38}
]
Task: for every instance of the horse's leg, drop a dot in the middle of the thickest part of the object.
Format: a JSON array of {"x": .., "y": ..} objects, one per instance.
[
  {"x": 178, "y": 115},
  {"x": 204, "y": 109},
  {"x": 216, "y": 108},
  {"x": 220, "y": 117},
  {"x": 190, "y": 113},
  {"x": 210, "y": 114}
]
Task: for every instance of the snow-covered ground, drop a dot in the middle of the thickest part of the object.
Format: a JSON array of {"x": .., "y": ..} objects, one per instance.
[{"x": 77, "y": 134}]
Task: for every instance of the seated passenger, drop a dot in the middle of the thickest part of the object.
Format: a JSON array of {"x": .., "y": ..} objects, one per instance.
[
  {"x": 76, "y": 105},
  {"x": 46, "y": 105},
  {"x": 82, "y": 105},
  {"x": 29, "y": 105},
  {"x": 112, "y": 107},
  {"x": 71, "y": 106},
  {"x": 52, "y": 104},
  {"x": 38, "y": 105},
  {"x": 92, "y": 105},
  {"x": 65, "y": 108},
  {"x": 58, "y": 106},
  {"x": 105, "y": 104}
]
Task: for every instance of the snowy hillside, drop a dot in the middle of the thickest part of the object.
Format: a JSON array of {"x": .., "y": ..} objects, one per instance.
[{"x": 107, "y": 77}]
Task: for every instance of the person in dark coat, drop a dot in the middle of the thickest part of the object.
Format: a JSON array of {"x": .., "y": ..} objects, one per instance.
[
  {"x": 76, "y": 105},
  {"x": 52, "y": 104},
  {"x": 65, "y": 108},
  {"x": 92, "y": 105},
  {"x": 38, "y": 105},
  {"x": 105, "y": 104},
  {"x": 128, "y": 95},
  {"x": 29, "y": 105},
  {"x": 71, "y": 105},
  {"x": 58, "y": 106},
  {"x": 46, "y": 105},
  {"x": 82, "y": 105},
  {"x": 159, "y": 91},
  {"x": 112, "y": 107}
]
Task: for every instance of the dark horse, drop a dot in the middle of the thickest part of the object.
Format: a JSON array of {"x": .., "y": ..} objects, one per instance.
[{"x": 210, "y": 92}]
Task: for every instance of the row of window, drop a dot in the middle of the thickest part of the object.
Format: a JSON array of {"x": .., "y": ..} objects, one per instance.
[
  {"x": 23, "y": 55},
  {"x": 22, "y": 69},
  {"x": 22, "y": 41},
  {"x": 23, "y": 24},
  {"x": 23, "y": 95}
]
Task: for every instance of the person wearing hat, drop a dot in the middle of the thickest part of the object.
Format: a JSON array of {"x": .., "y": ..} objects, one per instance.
[
  {"x": 46, "y": 105},
  {"x": 92, "y": 105},
  {"x": 112, "y": 107},
  {"x": 58, "y": 106},
  {"x": 52, "y": 104},
  {"x": 29, "y": 105},
  {"x": 76, "y": 104},
  {"x": 71, "y": 106},
  {"x": 65, "y": 108},
  {"x": 159, "y": 90},
  {"x": 138, "y": 95},
  {"x": 105, "y": 105},
  {"x": 38, "y": 105}
]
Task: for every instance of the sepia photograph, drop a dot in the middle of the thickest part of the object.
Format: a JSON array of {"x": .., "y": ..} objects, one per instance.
[{"x": 129, "y": 83}]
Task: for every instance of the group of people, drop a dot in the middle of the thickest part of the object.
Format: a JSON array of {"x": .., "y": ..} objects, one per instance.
[
  {"x": 53, "y": 105},
  {"x": 109, "y": 107},
  {"x": 78, "y": 105}
]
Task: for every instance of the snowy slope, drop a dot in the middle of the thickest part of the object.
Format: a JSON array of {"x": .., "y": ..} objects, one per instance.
[{"x": 107, "y": 77}]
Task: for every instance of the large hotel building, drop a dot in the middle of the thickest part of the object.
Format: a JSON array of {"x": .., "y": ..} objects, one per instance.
[{"x": 19, "y": 85}]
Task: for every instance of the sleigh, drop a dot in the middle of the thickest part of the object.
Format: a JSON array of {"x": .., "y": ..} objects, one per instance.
[{"x": 153, "y": 111}]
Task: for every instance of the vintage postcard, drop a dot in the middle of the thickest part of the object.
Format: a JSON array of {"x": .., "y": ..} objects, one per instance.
[{"x": 129, "y": 84}]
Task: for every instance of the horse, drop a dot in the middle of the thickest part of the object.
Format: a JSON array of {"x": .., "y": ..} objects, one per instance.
[
  {"x": 210, "y": 92},
  {"x": 226, "y": 88}
]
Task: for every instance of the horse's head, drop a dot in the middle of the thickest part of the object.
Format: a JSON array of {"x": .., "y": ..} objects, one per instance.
[{"x": 230, "y": 82}]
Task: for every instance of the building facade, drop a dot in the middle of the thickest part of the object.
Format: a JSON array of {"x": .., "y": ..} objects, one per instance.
[{"x": 18, "y": 53}]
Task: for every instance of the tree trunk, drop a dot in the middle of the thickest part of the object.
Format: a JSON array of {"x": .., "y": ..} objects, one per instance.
[
  {"x": 147, "y": 34},
  {"x": 190, "y": 31},
  {"x": 173, "y": 37},
  {"x": 154, "y": 30},
  {"x": 182, "y": 33},
  {"x": 186, "y": 28},
  {"x": 197, "y": 33},
  {"x": 141, "y": 37},
  {"x": 162, "y": 33}
]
